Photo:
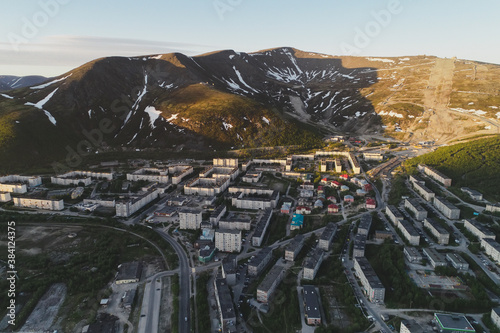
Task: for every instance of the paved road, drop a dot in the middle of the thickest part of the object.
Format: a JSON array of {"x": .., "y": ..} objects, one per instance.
[{"x": 184, "y": 281}]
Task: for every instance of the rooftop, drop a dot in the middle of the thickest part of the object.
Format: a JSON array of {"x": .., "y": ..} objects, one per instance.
[
  {"x": 445, "y": 202},
  {"x": 313, "y": 257},
  {"x": 311, "y": 302},
  {"x": 271, "y": 277},
  {"x": 369, "y": 273},
  {"x": 226, "y": 303},
  {"x": 453, "y": 322},
  {"x": 329, "y": 231}
]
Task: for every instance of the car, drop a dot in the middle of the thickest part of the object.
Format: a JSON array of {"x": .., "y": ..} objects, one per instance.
[
  {"x": 185, "y": 318},
  {"x": 143, "y": 315}
]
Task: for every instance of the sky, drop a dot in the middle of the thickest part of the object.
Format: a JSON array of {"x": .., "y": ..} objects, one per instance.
[{"x": 51, "y": 37}]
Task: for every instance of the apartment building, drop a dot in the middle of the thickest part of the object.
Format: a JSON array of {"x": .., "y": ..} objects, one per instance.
[
  {"x": 414, "y": 206},
  {"x": 411, "y": 326},
  {"x": 448, "y": 209},
  {"x": 228, "y": 240},
  {"x": 293, "y": 248},
  {"x": 5, "y": 196},
  {"x": 394, "y": 214},
  {"x": 13, "y": 188},
  {"x": 267, "y": 287},
  {"x": 436, "y": 175},
  {"x": 475, "y": 195},
  {"x": 217, "y": 214},
  {"x": 491, "y": 248},
  {"x": 478, "y": 230},
  {"x": 435, "y": 258},
  {"x": 261, "y": 228},
  {"x": 38, "y": 203},
  {"x": 495, "y": 316},
  {"x": 190, "y": 218},
  {"x": 257, "y": 264},
  {"x": 365, "y": 224},
  {"x": 225, "y": 307},
  {"x": 425, "y": 192},
  {"x": 150, "y": 175},
  {"x": 457, "y": 261},
  {"x": 125, "y": 208},
  {"x": 436, "y": 229},
  {"x": 312, "y": 263},
  {"x": 412, "y": 254},
  {"x": 312, "y": 311},
  {"x": 359, "y": 245},
  {"x": 372, "y": 287},
  {"x": 409, "y": 232},
  {"x": 325, "y": 240},
  {"x": 30, "y": 181}
]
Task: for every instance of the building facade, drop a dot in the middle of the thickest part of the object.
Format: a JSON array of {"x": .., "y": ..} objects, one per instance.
[
  {"x": 228, "y": 240},
  {"x": 442, "y": 235},
  {"x": 448, "y": 209},
  {"x": 372, "y": 287},
  {"x": 39, "y": 203}
]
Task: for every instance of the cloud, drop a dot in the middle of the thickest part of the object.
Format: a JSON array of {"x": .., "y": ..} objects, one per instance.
[{"x": 67, "y": 51}]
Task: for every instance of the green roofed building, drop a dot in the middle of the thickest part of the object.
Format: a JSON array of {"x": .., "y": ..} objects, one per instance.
[
  {"x": 453, "y": 323},
  {"x": 297, "y": 221}
]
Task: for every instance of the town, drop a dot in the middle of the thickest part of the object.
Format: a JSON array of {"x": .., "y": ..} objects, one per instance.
[{"x": 262, "y": 239}]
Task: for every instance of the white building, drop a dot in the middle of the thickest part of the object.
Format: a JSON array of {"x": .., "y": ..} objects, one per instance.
[
  {"x": 228, "y": 240},
  {"x": 491, "y": 248},
  {"x": 442, "y": 235},
  {"x": 179, "y": 172},
  {"x": 31, "y": 181},
  {"x": 226, "y": 162},
  {"x": 495, "y": 316},
  {"x": 190, "y": 219},
  {"x": 414, "y": 206},
  {"x": 312, "y": 263},
  {"x": 126, "y": 208},
  {"x": 436, "y": 175},
  {"x": 150, "y": 175},
  {"x": 426, "y": 193},
  {"x": 39, "y": 203},
  {"x": 394, "y": 214},
  {"x": 409, "y": 232},
  {"x": 435, "y": 258},
  {"x": 449, "y": 210},
  {"x": 266, "y": 288},
  {"x": 478, "y": 230},
  {"x": 13, "y": 188},
  {"x": 457, "y": 261},
  {"x": 372, "y": 287},
  {"x": 207, "y": 186},
  {"x": 5, "y": 196}
]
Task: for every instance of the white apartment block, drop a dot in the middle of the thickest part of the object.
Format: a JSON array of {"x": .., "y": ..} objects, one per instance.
[
  {"x": 207, "y": 186},
  {"x": 190, "y": 219},
  {"x": 39, "y": 203},
  {"x": 5, "y": 196},
  {"x": 235, "y": 224},
  {"x": 373, "y": 288},
  {"x": 312, "y": 263},
  {"x": 491, "y": 248},
  {"x": 325, "y": 240},
  {"x": 478, "y": 230},
  {"x": 442, "y": 235},
  {"x": 100, "y": 202},
  {"x": 150, "y": 175},
  {"x": 71, "y": 178},
  {"x": 32, "y": 181},
  {"x": 436, "y": 175},
  {"x": 409, "y": 232},
  {"x": 266, "y": 288},
  {"x": 394, "y": 214},
  {"x": 228, "y": 240},
  {"x": 293, "y": 248},
  {"x": 226, "y": 162},
  {"x": 449, "y": 210},
  {"x": 410, "y": 326},
  {"x": 128, "y": 207},
  {"x": 414, "y": 206},
  {"x": 14, "y": 188},
  {"x": 457, "y": 261},
  {"x": 426, "y": 193},
  {"x": 495, "y": 316},
  {"x": 91, "y": 174},
  {"x": 252, "y": 177},
  {"x": 178, "y": 172}
]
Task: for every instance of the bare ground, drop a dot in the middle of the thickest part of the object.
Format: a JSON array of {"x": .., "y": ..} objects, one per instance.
[{"x": 42, "y": 317}]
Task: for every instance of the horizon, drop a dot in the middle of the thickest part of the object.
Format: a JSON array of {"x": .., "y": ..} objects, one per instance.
[{"x": 51, "y": 37}]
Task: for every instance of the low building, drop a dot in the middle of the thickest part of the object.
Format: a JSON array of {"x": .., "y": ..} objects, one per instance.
[
  {"x": 129, "y": 273},
  {"x": 266, "y": 288},
  {"x": 495, "y": 316},
  {"x": 394, "y": 214},
  {"x": 30, "y": 181},
  {"x": 453, "y": 323},
  {"x": 478, "y": 230},
  {"x": 414, "y": 206},
  {"x": 442, "y": 235},
  {"x": 252, "y": 177},
  {"x": 494, "y": 208},
  {"x": 448, "y": 209},
  {"x": 370, "y": 203},
  {"x": 227, "y": 314},
  {"x": 457, "y": 261},
  {"x": 228, "y": 240},
  {"x": 332, "y": 209},
  {"x": 435, "y": 258},
  {"x": 190, "y": 219},
  {"x": 348, "y": 198},
  {"x": 372, "y": 287},
  {"x": 293, "y": 248},
  {"x": 38, "y": 203},
  {"x": 416, "y": 180},
  {"x": 13, "y": 188},
  {"x": 359, "y": 245},
  {"x": 312, "y": 263},
  {"x": 261, "y": 227},
  {"x": 206, "y": 253},
  {"x": 325, "y": 240},
  {"x": 491, "y": 248},
  {"x": 303, "y": 210},
  {"x": 409, "y": 232},
  {"x": 383, "y": 234},
  {"x": 475, "y": 195},
  {"x": 312, "y": 311},
  {"x": 365, "y": 224},
  {"x": 411, "y": 326},
  {"x": 286, "y": 208},
  {"x": 297, "y": 221},
  {"x": 257, "y": 264},
  {"x": 412, "y": 254}
]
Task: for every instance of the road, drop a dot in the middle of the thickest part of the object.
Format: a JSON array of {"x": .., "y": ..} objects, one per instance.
[{"x": 184, "y": 282}]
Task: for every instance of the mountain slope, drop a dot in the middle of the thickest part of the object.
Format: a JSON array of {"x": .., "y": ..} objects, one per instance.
[
  {"x": 280, "y": 96},
  {"x": 9, "y": 82}
]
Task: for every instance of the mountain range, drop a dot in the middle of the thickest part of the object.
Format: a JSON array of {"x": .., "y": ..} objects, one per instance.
[
  {"x": 9, "y": 82},
  {"x": 226, "y": 99}
]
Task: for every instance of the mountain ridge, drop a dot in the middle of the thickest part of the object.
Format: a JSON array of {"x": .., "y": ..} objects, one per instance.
[{"x": 229, "y": 99}]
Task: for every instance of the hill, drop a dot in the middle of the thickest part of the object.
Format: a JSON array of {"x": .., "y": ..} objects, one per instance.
[
  {"x": 9, "y": 82},
  {"x": 474, "y": 164},
  {"x": 227, "y": 99}
]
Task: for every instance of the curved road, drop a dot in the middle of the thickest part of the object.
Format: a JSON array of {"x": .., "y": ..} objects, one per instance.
[{"x": 184, "y": 282}]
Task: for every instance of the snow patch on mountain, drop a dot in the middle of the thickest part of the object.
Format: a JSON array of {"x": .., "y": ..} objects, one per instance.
[
  {"x": 390, "y": 114},
  {"x": 153, "y": 115},
  {"x": 51, "y": 118},
  {"x": 51, "y": 82},
  {"x": 227, "y": 125},
  {"x": 238, "y": 74},
  {"x": 381, "y": 59},
  {"x": 266, "y": 120},
  {"x": 476, "y": 112},
  {"x": 7, "y": 96},
  {"x": 41, "y": 103}
]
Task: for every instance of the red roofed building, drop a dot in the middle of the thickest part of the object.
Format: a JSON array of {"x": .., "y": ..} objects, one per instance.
[
  {"x": 320, "y": 189},
  {"x": 303, "y": 210},
  {"x": 333, "y": 208},
  {"x": 368, "y": 187},
  {"x": 332, "y": 199},
  {"x": 336, "y": 184},
  {"x": 371, "y": 203},
  {"x": 344, "y": 176}
]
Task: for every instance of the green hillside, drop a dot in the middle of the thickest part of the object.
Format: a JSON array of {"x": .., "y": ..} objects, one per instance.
[{"x": 475, "y": 164}]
